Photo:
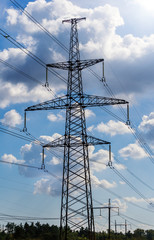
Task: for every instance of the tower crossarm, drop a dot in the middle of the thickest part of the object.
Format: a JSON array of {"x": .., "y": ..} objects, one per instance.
[
  {"x": 73, "y": 20},
  {"x": 88, "y": 101},
  {"x": 96, "y": 101},
  {"x": 73, "y": 65},
  {"x": 74, "y": 141},
  {"x": 57, "y": 103}
]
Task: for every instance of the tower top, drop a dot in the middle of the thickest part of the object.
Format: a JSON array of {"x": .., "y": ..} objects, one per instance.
[{"x": 74, "y": 20}]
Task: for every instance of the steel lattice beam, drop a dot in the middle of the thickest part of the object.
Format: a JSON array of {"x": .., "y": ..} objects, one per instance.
[
  {"x": 87, "y": 101},
  {"x": 73, "y": 65},
  {"x": 74, "y": 141}
]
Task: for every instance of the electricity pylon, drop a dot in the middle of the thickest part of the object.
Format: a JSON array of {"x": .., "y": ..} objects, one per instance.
[
  {"x": 121, "y": 224},
  {"x": 109, "y": 207},
  {"x": 76, "y": 199}
]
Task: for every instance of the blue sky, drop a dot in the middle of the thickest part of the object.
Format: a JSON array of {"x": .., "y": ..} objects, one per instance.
[{"x": 121, "y": 32}]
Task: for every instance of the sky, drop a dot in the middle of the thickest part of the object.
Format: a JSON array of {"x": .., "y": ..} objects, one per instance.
[{"x": 120, "y": 32}]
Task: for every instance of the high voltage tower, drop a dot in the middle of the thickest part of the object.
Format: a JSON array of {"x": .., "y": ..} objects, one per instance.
[{"x": 76, "y": 199}]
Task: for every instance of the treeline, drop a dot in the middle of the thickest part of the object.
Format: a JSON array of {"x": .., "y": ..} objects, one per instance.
[{"x": 39, "y": 231}]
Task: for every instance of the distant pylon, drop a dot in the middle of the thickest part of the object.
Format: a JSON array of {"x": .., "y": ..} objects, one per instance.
[{"x": 76, "y": 202}]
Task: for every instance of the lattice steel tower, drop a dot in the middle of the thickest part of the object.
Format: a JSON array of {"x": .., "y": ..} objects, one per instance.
[{"x": 76, "y": 202}]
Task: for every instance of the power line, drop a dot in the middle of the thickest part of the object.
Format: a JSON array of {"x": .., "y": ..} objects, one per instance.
[
  {"x": 130, "y": 185},
  {"x": 39, "y": 25},
  {"x": 8, "y": 216},
  {"x": 126, "y": 170},
  {"x": 20, "y": 164},
  {"x": 125, "y": 200},
  {"x": 136, "y": 220},
  {"x": 30, "y": 137},
  {"x": 26, "y": 75},
  {"x": 59, "y": 179},
  {"x": 20, "y": 71},
  {"x": 144, "y": 146},
  {"x": 126, "y": 217},
  {"x": 30, "y": 54},
  {"x": 15, "y": 134},
  {"x": 61, "y": 45},
  {"x": 134, "y": 131},
  {"x": 129, "y": 171},
  {"x": 134, "y": 175}
]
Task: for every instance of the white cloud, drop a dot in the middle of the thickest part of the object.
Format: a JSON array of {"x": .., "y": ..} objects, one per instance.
[
  {"x": 47, "y": 139},
  {"x": 90, "y": 129},
  {"x": 46, "y": 186},
  {"x": 12, "y": 16},
  {"x": 119, "y": 166},
  {"x": 55, "y": 161},
  {"x": 113, "y": 128},
  {"x": 121, "y": 205},
  {"x": 147, "y": 128},
  {"x": 101, "y": 25},
  {"x": 11, "y": 118},
  {"x": 26, "y": 147},
  {"x": 122, "y": 183},
  {"x": 55, "y": 118},
  {"x": 28, "y": 41},
  {"x": 89, "y": 113},
  {"x": 32, "y": 155},
  {"x": 132, "y": 151},
  {"x": 147, "y": 123},
  {"x": 12, "y": 159},
  {"x": 104, "y": 183},
  {"x": 99, "y": 37},
  {"x": 19, "y": 93},
  {"x": 13, "y": 54},
  {"x": 99, "y": 159},
  {"x": 134, "y": 199},
  {"x": 138, "y": 200},
  {"x": 57, "y": 57}
]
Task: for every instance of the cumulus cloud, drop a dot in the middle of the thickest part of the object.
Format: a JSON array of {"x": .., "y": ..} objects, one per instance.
[
  {"x": 138, "y": 200},
  {"x": 12, "y": 159},
  {"x": 91, "y": 128},
  {"x": 147, "y": 122},
  {"x": 55, "y": 161},
  {"x": 99, "y": 159},
  {"x": 101, "y": 25},
  {"x": 13, "y": 55},
  {"x": 122, "y": 183},
  {"x": 120, "y": 204},
  {"x": 12, "y": 17},
  {"x": 47, "y": 139},
  {"x": 98, "y": 35},
  {"x": 147, "y": 127},
  {"x": 132, "y": 151},
  {"x": 46, "y": 186},
  {"x": 89, "y": 113},
  {"x": 55, "y": 118},
  {"x": 119, "y": 166},
  {"x": 32, "y": 155},
  {"x": 113, "y": 128},
  {"x": 11, "y": 118},
  {"x": 19, "y": 93},
  {"x": 104, "y": 183}
]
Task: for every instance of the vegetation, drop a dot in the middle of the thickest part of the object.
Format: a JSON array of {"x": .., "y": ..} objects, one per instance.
[{"x": 46, "y": 232}]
